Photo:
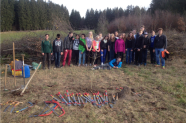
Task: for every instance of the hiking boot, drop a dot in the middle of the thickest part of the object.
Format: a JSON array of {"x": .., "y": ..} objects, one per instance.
[
  {"x": 157, "y": 65},
  {"x": 163, "y": 67}
]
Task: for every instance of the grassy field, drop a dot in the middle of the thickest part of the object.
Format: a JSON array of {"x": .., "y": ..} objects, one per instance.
[
  {"x": 17, "y": 35},
  {"x": 163, "y": 93}
]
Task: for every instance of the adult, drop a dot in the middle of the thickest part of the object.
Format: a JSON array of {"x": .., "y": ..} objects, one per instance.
[
  {"x": 96, "y": 50},
  {"x": 104, "y": 47},
  {"x": 82, "y": 49},
  {"x": 160, "y": 44},
  {"x": 129, "y": 46},
  {"x": 68, "y": 45},
  {"x": 111, "y": 47},
  {"x": 146, "y": 43},
  {"x": 75, "y": 51},
  {"x": 46, "y": 49},
  {"x": 143, "y": 29},
  {"x": 120, "y": 47},
  {"x": 133, "y": 52},
  {"x": 58, "y": 50},
  {"x": 89, "y": 41},
  {"x": 138, "y": 48},
  {"x": 152, "y": 54},
  {"x": 116, "y": 35}
]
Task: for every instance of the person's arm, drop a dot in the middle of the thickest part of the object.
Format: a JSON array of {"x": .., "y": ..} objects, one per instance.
[
  {"x": 51, "y": 48},
  {"x": 119, "y": 65},
  {"x": 53, "y": 45},
  {"x": 61, "y": 47},
  {"x": 116, "y": 43},
  {"x": 99, "y": 47},
  {"x": 165, "y": 47},
  {"x": 84, "y": 47},
  {"x": 124, "y": 47},
  {"x": 111, "y": 62},
  {"x": 126, "y": 43},
  {"x": 42, "y": 48},
  {"x": 142, "y": 43},
  {"x": 155, "y": 40}
]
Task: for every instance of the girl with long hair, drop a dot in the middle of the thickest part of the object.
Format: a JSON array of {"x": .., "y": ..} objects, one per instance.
[
  {"x": 89, "y": 41},
  {"x": 120, "y": 47},
  {"x": 111, "y": 46},
  {"x": 104, "y": 47}
]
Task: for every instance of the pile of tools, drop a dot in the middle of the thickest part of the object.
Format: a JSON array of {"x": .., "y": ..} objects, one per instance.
[{"x": 81, "y": 99}]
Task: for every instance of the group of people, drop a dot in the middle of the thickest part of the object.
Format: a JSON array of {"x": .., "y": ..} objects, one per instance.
[{"x": 111, "y": 46}]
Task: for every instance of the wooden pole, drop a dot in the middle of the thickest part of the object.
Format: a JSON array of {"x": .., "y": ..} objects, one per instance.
[
  {"x": 14, "y": 64},
  {"x": 30, "y": 79},
  {"x": 5, "y": 76},
  {"x": 23, "y": 68}
]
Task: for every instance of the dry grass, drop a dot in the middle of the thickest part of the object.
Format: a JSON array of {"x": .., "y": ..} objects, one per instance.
[{"x": 163, "y": 94}]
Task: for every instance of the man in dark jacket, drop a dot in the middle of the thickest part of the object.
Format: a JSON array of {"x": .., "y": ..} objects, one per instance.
[
  {"x": 58, "y": 50},
  {"x": 68, "y": 45},
  {"x": 138, "y": 48},
  {"x": 146, "y": 43},
  {"x": 160, "y": 44}
]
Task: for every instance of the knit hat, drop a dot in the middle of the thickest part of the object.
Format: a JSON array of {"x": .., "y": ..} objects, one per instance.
[{"x": 146, "y": 33}]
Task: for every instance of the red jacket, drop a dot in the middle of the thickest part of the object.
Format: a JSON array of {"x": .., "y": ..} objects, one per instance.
[{"x": 94, "y": 46}]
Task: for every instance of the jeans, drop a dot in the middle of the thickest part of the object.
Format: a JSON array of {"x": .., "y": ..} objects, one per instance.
[
  {"x": 69, "y": 53},
  {"x": 158, "y": 55},
  {"x": 152, "y": 55},
  {"x": 57, "y": 58},
  {"x": 128, "y": 55},
  {"x": 75, "y": 56},
  {"x": 80, "y": 56},
  {"x": 47, "y": 56},
  {"x": 144, "y": 56},
  {"x": 112, "y": 54},
  {"x": 103, "y": 55},
  {"x": 133, "y": 55},
  {"x": 138, "y": 56}
]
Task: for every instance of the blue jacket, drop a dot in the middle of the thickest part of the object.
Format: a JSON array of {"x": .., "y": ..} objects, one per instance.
[
  {"x": 111, "y": 63},
  {"x": 152, "y": 41}
]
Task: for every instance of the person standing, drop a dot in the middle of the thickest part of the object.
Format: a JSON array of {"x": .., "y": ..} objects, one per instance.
[
  {"x": 58, "y": 50},
  {"x": 104, "y": 47},
  {"x": 152, "y": 54},
  {"x": 82, "y": 49},
  {"x": 68, "y": 45},
  {"x": 89, "y": 41},
  {"x": 143, "y": 29},
  {"x": 146, "y": 43},
  {"x": 133, "y": 52},
  {"x": 111, "y": 46},
  {"x": 96, "y": 50},
  {"x": 100, "y": 37},
  {"x": 138, "y": 48},
  {"x": 46, "y": 49},
  {"x": 129, "y": 45},
  {"x": 160, "y": 44},
  {"x": 120, "y": 47},
  {"x": 124, "y": 36},
  {"x": 75, "y": 52}
]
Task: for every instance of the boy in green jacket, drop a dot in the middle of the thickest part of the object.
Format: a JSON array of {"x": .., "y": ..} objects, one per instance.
[
  {"x": 82, "y": 47},
  {"x": 46, "y": 48}
]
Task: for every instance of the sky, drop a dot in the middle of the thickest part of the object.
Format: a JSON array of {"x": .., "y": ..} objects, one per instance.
[{"x": 83, "y": 5}]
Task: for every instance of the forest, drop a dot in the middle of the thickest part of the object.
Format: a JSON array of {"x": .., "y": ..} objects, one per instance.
[{"x": 40, "y": 15}]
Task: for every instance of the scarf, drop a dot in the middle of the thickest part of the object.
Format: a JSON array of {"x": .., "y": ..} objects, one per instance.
[{"x": 105, "y": 41}]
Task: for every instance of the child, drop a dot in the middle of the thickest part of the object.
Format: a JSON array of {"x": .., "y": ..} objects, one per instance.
[
  {"x": 152, "y": 54},
  {"x": 75, "y": 52},
  {"x": 116, "y": 35},
  {"x": 115, "y": 63},
  {"x": 46, "y": 49},
  {"x": 89, "y": 48},
  {"x": 120, "y": 47},
  {"x": 96, "y": 50},
  {"x": 111, "y": 46},
  {"x": 129, "y": 47},
  {"x": 104, "y": 46},
  {"x": 146, "y": 43},
  {"x": 82, "y": 49},
  {"x": 58, "y": 50}
]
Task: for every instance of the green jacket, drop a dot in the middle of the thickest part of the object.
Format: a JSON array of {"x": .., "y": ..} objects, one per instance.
[
  {"x": 46, "y": 47},
  {"x": 82, "y": 45}
]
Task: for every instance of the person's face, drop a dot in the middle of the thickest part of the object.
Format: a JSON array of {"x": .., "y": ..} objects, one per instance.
[
  {"x": 142, "y": 28},
  {"x": 106, "y": 38},
  {"x": 123, "y": 35},
  {"x": 160, "y": 32},
  {"x": 100, "y": 35},
  {"x": 118, "y": 59},
  {"x": 153, "y": 33},
  {"x": 82, "y": 36},
  {"x": 77, "y": 37},
  {"x": 116, "y": 33},
  {"x": 130, "y": 34},
  {"x": 97, "y": 38},
  {"x": 71, "y": 34},
  {"x": 90, "y": 34},
  {"x": 146, "y": 36},
  {"x": 120, "y": 37},
  {"x": 140, "y": 33},
  {"x": 134, "y": 31},
  {"x": 46, "y": 37}
]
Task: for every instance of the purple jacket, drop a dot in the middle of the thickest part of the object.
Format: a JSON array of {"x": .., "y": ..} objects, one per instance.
[{"x": 120, "y": 46}]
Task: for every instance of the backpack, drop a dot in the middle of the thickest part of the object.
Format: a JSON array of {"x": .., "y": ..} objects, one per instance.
[{"x": 165, "y": 54}]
